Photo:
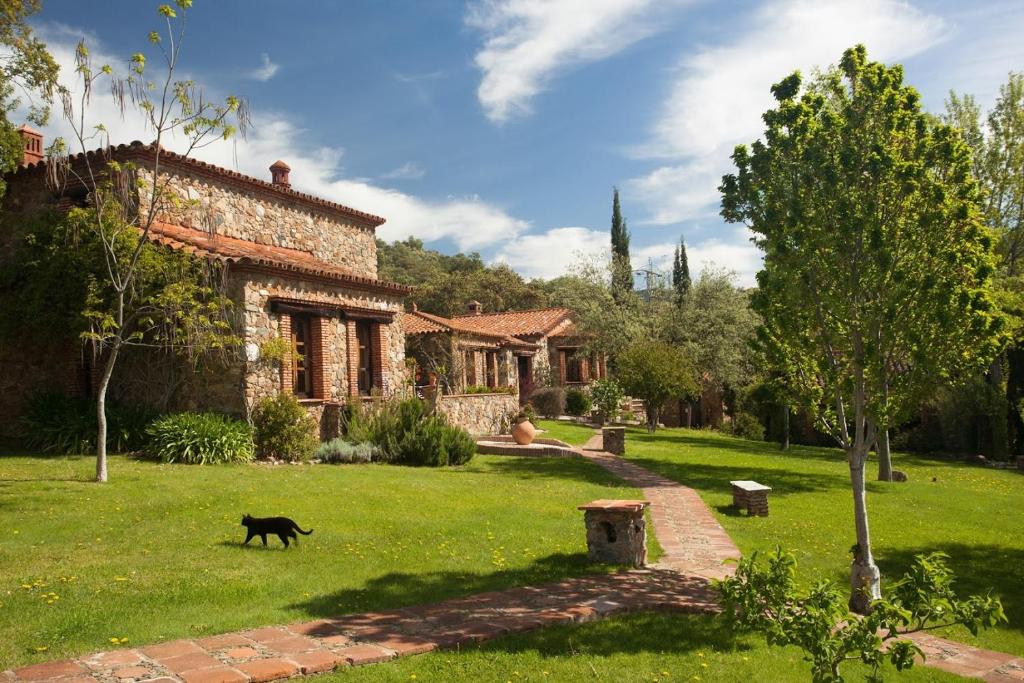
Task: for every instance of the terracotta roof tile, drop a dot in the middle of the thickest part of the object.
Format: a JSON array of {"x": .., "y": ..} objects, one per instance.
[
  {"x": 420, "y": 322},
  {"x": 516, "y": 323},
  {"x": 244, "y": 252}
]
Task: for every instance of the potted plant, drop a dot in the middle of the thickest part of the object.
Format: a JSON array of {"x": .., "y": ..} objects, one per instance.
[{"x": 523, "y": 430}]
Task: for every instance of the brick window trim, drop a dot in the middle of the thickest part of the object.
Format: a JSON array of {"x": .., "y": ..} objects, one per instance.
[{"x": 319, "y": 358}]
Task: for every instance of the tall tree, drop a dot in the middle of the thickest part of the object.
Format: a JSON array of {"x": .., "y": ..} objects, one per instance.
[
  {"x": 622, "y": 269},
  {"x": 125, "y": 203},
  {"x": 681, "y": 272},
  {"x": 877, "y": 272},
  {"x": 997, "y": 143},
  {"x": 26, "y": 68}
]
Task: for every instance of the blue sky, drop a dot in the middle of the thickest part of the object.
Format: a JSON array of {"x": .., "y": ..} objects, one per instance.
[{"x": 501, "y": 126}]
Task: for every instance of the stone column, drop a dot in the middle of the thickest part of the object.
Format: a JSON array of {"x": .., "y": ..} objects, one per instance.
[
  {"x": 616, "y": 531},
  {"x": 613, "y": 440}
]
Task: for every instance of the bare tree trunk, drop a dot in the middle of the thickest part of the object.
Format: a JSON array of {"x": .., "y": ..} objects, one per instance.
[
  {"x": 101, "y": 414},
  {"x": 785, "y": 429},
  {"x": 884, "y": 457},
  {"x": 652, "y": 419},
  {"x": 865, "y": 579}
]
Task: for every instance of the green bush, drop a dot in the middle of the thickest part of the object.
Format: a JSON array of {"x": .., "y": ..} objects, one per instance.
[
  {"x": 200, "y": 439},
  {"x": 340, "y": 451},
  {"x": 284, "y": 430},
  {"x": 607, "y": 396},
  {"x": 549, "y": 401},
  {"x": 577, "y": 402},
  {"x": 408, "y": 433},
  {"x": 55, "y": 423},
  {"x": 747, "y": 426}
]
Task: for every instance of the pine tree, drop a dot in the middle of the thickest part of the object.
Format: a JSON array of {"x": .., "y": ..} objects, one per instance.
[{"x": 622, "y": 271}]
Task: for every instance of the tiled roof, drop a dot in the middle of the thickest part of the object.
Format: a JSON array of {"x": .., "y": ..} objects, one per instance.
[
  {"x": 420, "y": 322},
  {"x": 516, "y": 323},
  {"x": 244, "y": 252},
  {"x": 139, "y": 151}
]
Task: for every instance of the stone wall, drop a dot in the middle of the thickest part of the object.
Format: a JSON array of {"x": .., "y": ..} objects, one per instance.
[
  {"x": 479, "y": 414},
  {"x": 227, "y": 208},
  {"x": 261, "y": 324}
]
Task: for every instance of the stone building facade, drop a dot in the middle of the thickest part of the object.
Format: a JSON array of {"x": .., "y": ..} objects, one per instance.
[{"x": 298, "y": 268}]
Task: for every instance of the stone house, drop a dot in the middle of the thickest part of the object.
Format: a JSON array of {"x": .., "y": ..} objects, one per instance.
[
  {"x": 521, "y": 349},
  {"x": 297, "y": 267}
]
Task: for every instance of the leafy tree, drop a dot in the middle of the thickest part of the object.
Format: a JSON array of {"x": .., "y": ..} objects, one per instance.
[
  {"x": 764, "y": 597},
  {"x": 608, "y": 325},
  {"x": 622, "y": 269},
  {"x": 654, "y": 372},
  {"x": 716, "y": 326},
  {"x": 443, "y": 284},
  {"x": 877, "y": 267},
  {"x": 125, "y": 204},
  {"x": 26, "y": 68},
  {"x": 997, "y": 144},
  {"x": 680, "y": 272}
]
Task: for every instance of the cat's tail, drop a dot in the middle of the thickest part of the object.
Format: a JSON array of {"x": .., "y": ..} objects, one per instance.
[{"x": 304, "y": 533}]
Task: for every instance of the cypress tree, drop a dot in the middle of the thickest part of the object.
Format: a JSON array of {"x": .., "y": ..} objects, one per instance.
[
  {"x": 622, "y": 271},
  {"x": 681, "y": 271}
]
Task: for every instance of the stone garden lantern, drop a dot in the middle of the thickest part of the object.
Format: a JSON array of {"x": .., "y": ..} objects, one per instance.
[{"x": 616, "y": 531}]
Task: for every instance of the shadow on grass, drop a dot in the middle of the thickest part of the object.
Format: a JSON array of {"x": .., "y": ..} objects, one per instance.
[
  {"x": 716, "y": 478},
  {"x": 646, "y": 632},
  {"x": 539, "y": 467},
  {"x": 404, "y": 589},
  {"x": 978, "y": 570}
]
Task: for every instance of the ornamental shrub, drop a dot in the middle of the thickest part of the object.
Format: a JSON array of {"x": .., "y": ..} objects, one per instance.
[
  {"x": 200, "y": 439},
  {"x": 340, "y": 451},
  {"x": 284, "y": 430},
  {"x": 549, "y": 401},
  {"x": 409, "y": 433},
  {"x": 577, "y": 402},
  {"x": 747, "y": 426},
  {"x": 607, "y": 395},
  {"x": 55, "y": 423}
]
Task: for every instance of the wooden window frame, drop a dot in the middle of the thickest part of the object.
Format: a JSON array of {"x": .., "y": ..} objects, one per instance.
[
  {"x": 366, "y": 375},
  {"x": 303, "y": 356}
]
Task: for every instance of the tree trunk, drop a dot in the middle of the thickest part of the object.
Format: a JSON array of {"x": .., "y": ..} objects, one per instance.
[
  {"x": 784, "y": 444},
  {"x": 884, "y": 457},
  {"x": 652, "y": 419},
  {"x": 101, "y": 415},
  {"x": 865, "y": 579}
]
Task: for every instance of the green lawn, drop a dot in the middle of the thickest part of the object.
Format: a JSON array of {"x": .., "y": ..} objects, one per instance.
[
  {"x": 571, "y": 433},
  {"x": 155, "y": 553},
  {"x": 974, "y": 514},
  {"x": 649, "y": 648}
]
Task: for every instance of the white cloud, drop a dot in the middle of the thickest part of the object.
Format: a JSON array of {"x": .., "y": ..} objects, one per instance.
[
  {"x": 469, "y": 221},
  {"x": 527, "y": 42},
  {"x": 550, "y": 254},
  {"x": 733, "y": 253},
  {"x": 410, "y": 170},
  {"x": 721, "y": 91},
  {"x": 266, "y": 70}
]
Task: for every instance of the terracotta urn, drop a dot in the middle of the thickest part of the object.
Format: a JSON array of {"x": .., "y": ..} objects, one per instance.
[{"x": 523, "y": 433}]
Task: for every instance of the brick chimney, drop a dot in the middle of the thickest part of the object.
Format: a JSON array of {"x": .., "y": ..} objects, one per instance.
[
  {"x": 33, "y": 140},
  {"x": 279, "y": 173},
  {"x": 474, "y": 308}
]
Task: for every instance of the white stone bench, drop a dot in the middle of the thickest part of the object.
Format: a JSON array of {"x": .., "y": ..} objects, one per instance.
[{"x": 751, "y": 495}]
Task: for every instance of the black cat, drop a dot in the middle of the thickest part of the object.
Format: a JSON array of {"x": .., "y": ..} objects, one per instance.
[{"x": 282, "y": 527}]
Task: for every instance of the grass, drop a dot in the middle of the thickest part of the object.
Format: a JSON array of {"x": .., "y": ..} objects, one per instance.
[
  {"x": 572, "y": 433},
  {"x": 649, "y": 648},
  {"x": 971, "y": 513},
  {"x": 155, "y": 553}
]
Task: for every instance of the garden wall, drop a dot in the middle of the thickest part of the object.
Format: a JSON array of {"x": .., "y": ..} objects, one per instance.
[{"x": 479, "y": 414}]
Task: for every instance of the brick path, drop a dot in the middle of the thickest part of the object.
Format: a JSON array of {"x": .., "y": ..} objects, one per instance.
[
  {"x": 695, "y": 547},
  {"x": 693, "y": 540}
]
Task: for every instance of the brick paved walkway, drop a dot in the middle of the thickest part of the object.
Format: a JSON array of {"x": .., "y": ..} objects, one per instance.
[{"x": 695, "y": 547}]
